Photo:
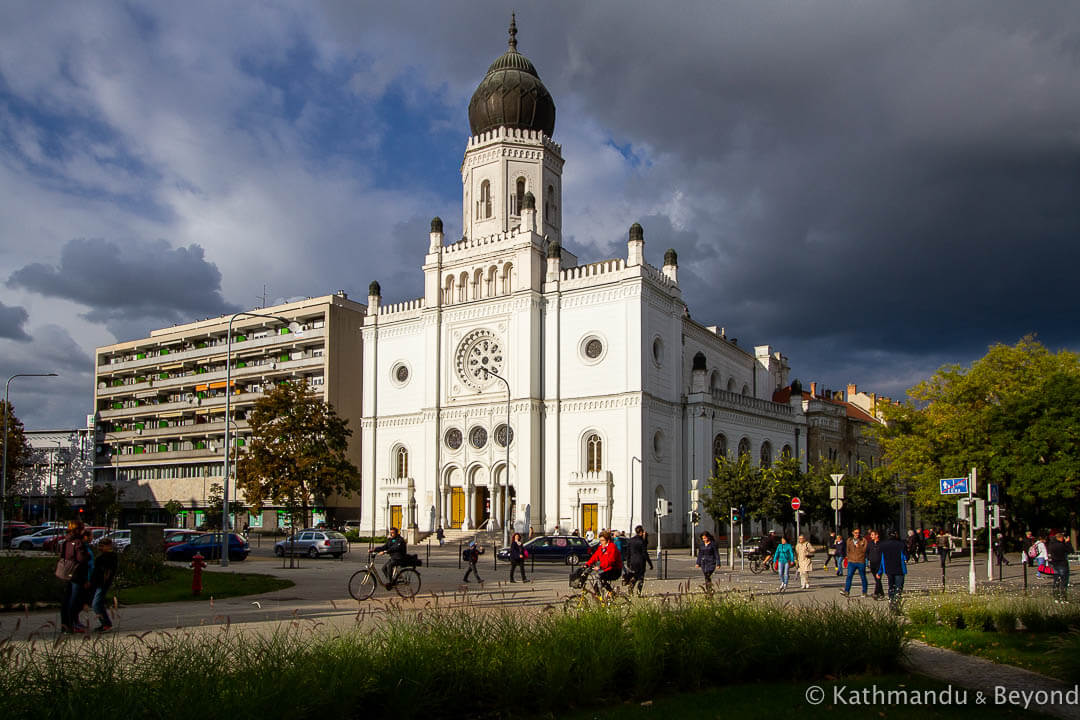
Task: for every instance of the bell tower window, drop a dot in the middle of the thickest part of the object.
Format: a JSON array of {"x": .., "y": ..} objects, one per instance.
[
  {"x": 518, "y": 198},
  {"x": 483, "y": 205}
]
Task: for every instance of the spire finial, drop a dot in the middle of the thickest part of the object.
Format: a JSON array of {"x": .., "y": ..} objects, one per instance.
[{"x": 513, "y": 31}]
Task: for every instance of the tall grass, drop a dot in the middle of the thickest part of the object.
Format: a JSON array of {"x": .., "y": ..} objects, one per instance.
[
  {"x": 446, "y": 664},
  {"x": 993, "y": 613}
]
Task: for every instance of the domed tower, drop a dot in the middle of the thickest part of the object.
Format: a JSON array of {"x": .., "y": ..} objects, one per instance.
[{"x": 510, "y": 152}]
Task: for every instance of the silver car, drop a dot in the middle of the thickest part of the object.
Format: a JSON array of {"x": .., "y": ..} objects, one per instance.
[{"x": 313, "y": 543}]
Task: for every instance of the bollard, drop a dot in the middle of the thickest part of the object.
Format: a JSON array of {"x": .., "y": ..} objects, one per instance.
[
  {"x": 495, "y": 556},
  {"x": 665, "y": 564},
  {"x": 459, "y": 551},
  {"x": 941, "y": 553},
  {"x": 197, "y": 565},
  {"x": 532, "y": 563},
  {"x": 427, "y": 553},
  {"x": 1025, "y": 575}
]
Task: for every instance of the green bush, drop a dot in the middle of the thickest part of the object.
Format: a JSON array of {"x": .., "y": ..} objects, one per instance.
[
  {"x": 952, "y": 615},
  {"x": 449, "y": 664},
  {"x": 135, "y": 568},
  {"x": 922, "y": 615},
  {"x": 29, "y": 580},
  {"x": 1004, "y": 618},
  {"x": 1068, "y": 649},
  {"x": 978, "y": 617}
]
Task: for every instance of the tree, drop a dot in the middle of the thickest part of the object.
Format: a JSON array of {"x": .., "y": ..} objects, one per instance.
[
  {"x": 103, "y": 503},
  {"x": 18, "y": 452},
  {"x": 215, "y": 505},
  {"x": 738, "y": 484},
  {"x": 298, "y": 452},
  {"x": 172, "y": 509},
  {"x": 1014, "y": 415}
]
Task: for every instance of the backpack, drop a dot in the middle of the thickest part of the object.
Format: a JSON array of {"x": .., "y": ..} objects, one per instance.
[
  {"x": 1033, "y": 551},
  {"x": 466, "y": 555}
]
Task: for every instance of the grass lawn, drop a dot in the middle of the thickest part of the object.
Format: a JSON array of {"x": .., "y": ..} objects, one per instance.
[
  {"x": 177, "y": 586},
  {"x": 779, "y": 700},
  {"x": 1038, "y": 652}
]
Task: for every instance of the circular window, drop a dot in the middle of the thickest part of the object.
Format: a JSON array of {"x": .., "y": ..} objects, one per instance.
[
  {"x": 593, "y": 349},
  {"x": 478, "y": 437},
  {"x": 453, "y": 438},
  {"x": 658, "y": 351},
  {"x": 479, "y": 355},
  {"x": 399, "y": 374},
  {"x": 500, "y": 435}
]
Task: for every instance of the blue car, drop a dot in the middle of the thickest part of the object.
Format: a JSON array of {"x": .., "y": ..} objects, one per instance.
[
  {"x": 569, "y": 549},
  {"x": 209, "y": 546}
]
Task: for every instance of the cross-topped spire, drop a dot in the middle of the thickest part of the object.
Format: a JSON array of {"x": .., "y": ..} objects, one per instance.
[{"x": 513, "y": 32}]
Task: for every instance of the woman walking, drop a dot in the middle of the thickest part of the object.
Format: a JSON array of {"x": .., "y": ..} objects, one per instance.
[
  {"x": 804, "y": 555},
  {"x": 707, "y": 558},
  {"x": 783, "y": 557},
  {"x": 517, "y": 557}
]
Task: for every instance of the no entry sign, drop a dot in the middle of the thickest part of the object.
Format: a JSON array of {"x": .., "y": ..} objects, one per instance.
[{"x": 795, "y": 503}]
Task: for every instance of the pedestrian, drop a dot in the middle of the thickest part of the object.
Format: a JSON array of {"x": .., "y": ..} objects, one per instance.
[
  {"x": 855, "y": 554},
  {"x": 518, "y": 553},
  {"x": 783, "y": 556},
  {"x": 471, "y": 554},
  {"x": 101, "y": 578},
  {"x": 829, "y": 555},
  {"x": 1041, "y": 554},
  {"x": 944, "y": 544},
  {"x": 999, "y": 550},
  {"x": 1025, "y": 547},
  {"x": 892, "y": 564},
  {"x": 840, "y": 552},
  {"x": 589, "y": 536},
  {"x": 1057, "y": 552},
  {"x": 638, "y": 556},
  {"x": 921, "y": 537},
  {"x": 707, "y": 558},
  {"x": 873, "y": 563},
  {"x": 804, "y": 554},
  {"x": 440, "y": 535},
  {"x": 73, "y": 568},
  {"x": 912, "y": 546}
]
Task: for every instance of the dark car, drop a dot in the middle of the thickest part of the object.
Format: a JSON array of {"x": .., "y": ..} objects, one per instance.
[
  {"x": 209, "y": 546},
  {"x": 568, "y": 549},
  {"x": 179, "y": 537},
  {"x": 12, "y": 530}
]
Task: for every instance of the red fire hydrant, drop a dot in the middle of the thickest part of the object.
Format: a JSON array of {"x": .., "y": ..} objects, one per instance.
[{"x": 197, "y": 565}]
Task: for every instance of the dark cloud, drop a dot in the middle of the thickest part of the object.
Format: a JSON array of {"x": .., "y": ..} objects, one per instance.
[
  {"x": 122, "y": 283},
  {"x": 50, "y": 402},
  {"x": 12, "y": 320}
]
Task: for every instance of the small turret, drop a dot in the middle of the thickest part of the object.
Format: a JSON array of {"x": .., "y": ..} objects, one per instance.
[
  {"x": 671, "y": 265},
  {"x": 554, "y": 261},
  {"x": 528, "y": 212},
  {"x": 374, "y": 292},
  {"x": 436, "y": 235},
  {"x": 635, "y": 246}
]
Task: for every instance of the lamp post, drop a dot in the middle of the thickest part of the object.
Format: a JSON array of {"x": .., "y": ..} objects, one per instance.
[
  {"x": 633, "y": 489},
  {"x": 506, "y": 491},
  {"x": 293, "y": 327},
  {"x": 3, "y": 472},
  {"x": 54, "y": 474}
]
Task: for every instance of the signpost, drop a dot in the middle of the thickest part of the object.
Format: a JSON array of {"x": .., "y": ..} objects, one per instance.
[
  {"x": 969, "y": 509},
  {"x": 693, "y": 515},
  {"x": 836, "y": 496},
  {"x": 795, "y": 505}
]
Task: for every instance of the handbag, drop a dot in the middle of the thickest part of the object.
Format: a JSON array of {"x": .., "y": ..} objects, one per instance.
[{"x": 65, "y": 568}]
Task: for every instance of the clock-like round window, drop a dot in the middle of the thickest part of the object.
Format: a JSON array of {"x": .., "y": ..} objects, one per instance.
[
  {"x": 501, "y": 433},
  {"x": 479, "y": 355},
  {"x": 478, "y": 437},
  {"x": 594, "y": 349},
  {"x": 399, "y": 373},
  {"x": 453, "y": 438},
  {"x": 402, "y": 373}
]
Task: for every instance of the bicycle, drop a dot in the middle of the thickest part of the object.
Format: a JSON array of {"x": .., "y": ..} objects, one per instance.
[
  {"x": 362, "y": 584},
  {"x": 759, "y": 564},
  {"x": 592, "y": 590}
]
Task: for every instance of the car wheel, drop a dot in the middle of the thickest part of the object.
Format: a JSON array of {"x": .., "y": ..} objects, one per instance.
[
  {"x": 572, "y": 559},
  {"x": 279, "y": 551},
  {"x": 26, "y": 546},
  {"x": 312, "y": 552}
]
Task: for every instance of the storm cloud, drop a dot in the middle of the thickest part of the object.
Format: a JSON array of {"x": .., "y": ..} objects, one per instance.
[{"x": 12, "y": 320}]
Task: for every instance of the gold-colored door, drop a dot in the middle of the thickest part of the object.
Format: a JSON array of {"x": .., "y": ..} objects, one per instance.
[
  {"x": 395, "y": 516},
  {"x": 457, "y": 507},
  {"x": 588, "y": 517}
]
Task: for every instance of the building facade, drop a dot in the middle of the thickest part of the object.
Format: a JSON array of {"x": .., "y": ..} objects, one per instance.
[
  {"x": 588, "y": 384},
  {"x": 160, "y": 400}
]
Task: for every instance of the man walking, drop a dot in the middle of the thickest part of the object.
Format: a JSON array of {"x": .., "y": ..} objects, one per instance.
[
  {"x": 873, "y": 563},
  {"x": 637, "y": 556},
  {"x": 856, "y": 561},
  {"x": 912, "y": 547},
  {"x": 1057, "y": 552},
  {"x": 840, "y": 552},
  {"x": 471, "y": 555},
  {"x": 892, "y": 564},
  {"x": 829, "y": 554}
]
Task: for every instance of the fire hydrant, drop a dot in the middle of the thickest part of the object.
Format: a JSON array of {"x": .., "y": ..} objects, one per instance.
[{"x": 197, "y": 565}]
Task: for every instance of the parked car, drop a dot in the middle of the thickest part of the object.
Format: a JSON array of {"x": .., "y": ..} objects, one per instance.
[
  {"x": 209, "y": 546},
  {"x": 313, "y": 543},
  {"x": 120, "y": 539},
  {"x": 179, "y": 537},
  {"x": 13, "y": 530},
  {"x": 569, "y": 549},
  {"x": 53, "y": 543},
  {"x": 36, "y": 541}
]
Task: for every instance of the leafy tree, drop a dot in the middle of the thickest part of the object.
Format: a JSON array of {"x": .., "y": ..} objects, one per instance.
[
  {"x": 215, "y": 505},
  {"x": 18, "y": 452},
  {"x": 298, "y": 452},
  {"x": 735, "y": 483},
  {"x": 173, "y": 508},
  {"x": 1014, "y": 415},
  {"x": 103, "y": 503}
]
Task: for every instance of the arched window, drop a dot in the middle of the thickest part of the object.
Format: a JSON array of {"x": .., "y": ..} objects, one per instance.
[
  {"x": 786, "y": 452},
  {"x": 484, "y": 206},
  {"x": 714, "y": 381},
  {"x": 493, "y": 273},
  {"x": 594, "y": 453},
  {"x": 507, "y": 279},
  {"x": 766, "y": 454},
  {"x": 731, "y": 385},
  {"x": 719, "y": 448},
  {"x": 448, "y": 296},
  {"x": 549, "y": 207},
  {"x": 463, "y": 287},
  {"x": 744, "y": 447},
  {"x": 401, "y": 462},
  {"x": 745, "y": 390},
  {"x": 518, "y": 198},
  {"x": 477, "y": 283}
]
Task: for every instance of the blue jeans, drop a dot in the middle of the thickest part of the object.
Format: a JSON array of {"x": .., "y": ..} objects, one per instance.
[
  {"x": 71, "y": 604},
  {"x": 1061, "y": 580},
  {"x": 896, "y": 587},
  {"x": 100, "y": 609},
  {"x": 852, "y": 567},
  {"x": 783, "y": 572}
]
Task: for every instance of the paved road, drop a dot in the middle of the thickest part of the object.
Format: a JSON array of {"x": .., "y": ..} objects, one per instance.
[{"x": 320, "y": 591}]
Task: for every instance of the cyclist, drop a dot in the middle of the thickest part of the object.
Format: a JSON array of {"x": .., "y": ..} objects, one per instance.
[
  {"x": 768, "y": 547},
  {"x": 395, "y": 547},
  {"x": 609, "y": 559}
]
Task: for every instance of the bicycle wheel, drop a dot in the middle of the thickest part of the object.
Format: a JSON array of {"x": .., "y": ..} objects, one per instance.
[
  {"x": 756, "y": 566},
  {"x": 408, "y": 583},
  {"x": 362, "y": 585}
]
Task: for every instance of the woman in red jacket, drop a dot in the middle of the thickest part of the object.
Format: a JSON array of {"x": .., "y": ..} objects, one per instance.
[{"x": 607, "y": 555}]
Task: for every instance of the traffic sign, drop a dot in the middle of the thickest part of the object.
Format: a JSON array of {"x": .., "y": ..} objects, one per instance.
[
  {"x": 836, "y": 492},
  {"x": 836, "y": 478},
  {"x": 995, "y": 493},
  {"x": 836, "y": 504},
  {"x": 954, "y": 486},
  {"x": 795, "y": 503}
]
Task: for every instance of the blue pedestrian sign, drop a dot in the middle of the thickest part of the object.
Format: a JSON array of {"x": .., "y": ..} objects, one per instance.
[{"x": 954, "y": 486}]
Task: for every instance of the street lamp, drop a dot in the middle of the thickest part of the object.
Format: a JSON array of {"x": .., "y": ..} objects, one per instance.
[
  {"x": 633, "y": 490},
  {"x": 3, "y": 473},
  {"x": 54, "y": 474},
  {"x": 293, "y": 327},
  {"x": 506, "y": 492}
]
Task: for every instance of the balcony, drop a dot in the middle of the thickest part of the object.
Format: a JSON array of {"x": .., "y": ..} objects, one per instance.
[
  {"x": 743, "y": 403},
  {"x": 176, "y": 431}
]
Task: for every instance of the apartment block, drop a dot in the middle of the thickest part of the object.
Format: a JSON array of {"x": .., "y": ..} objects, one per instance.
[{"x": 160, "y": 400}]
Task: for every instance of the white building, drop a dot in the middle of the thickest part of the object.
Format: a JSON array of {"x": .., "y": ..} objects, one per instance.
[{"x": 616, "y": 397}]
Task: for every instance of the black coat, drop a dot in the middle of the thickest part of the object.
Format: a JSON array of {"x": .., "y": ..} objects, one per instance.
[
  {"x": 708, "y": 557},
  {"x": 517, "y": 551},
  {"x": 873, "y": 556},
  {"x": 890, "y": 558},
  {"x": 840, "y": 547},
  {"x": 394, "y": 547},
  {"x": 637, "y": 554},
  {"x": 104, "y": 570}
]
